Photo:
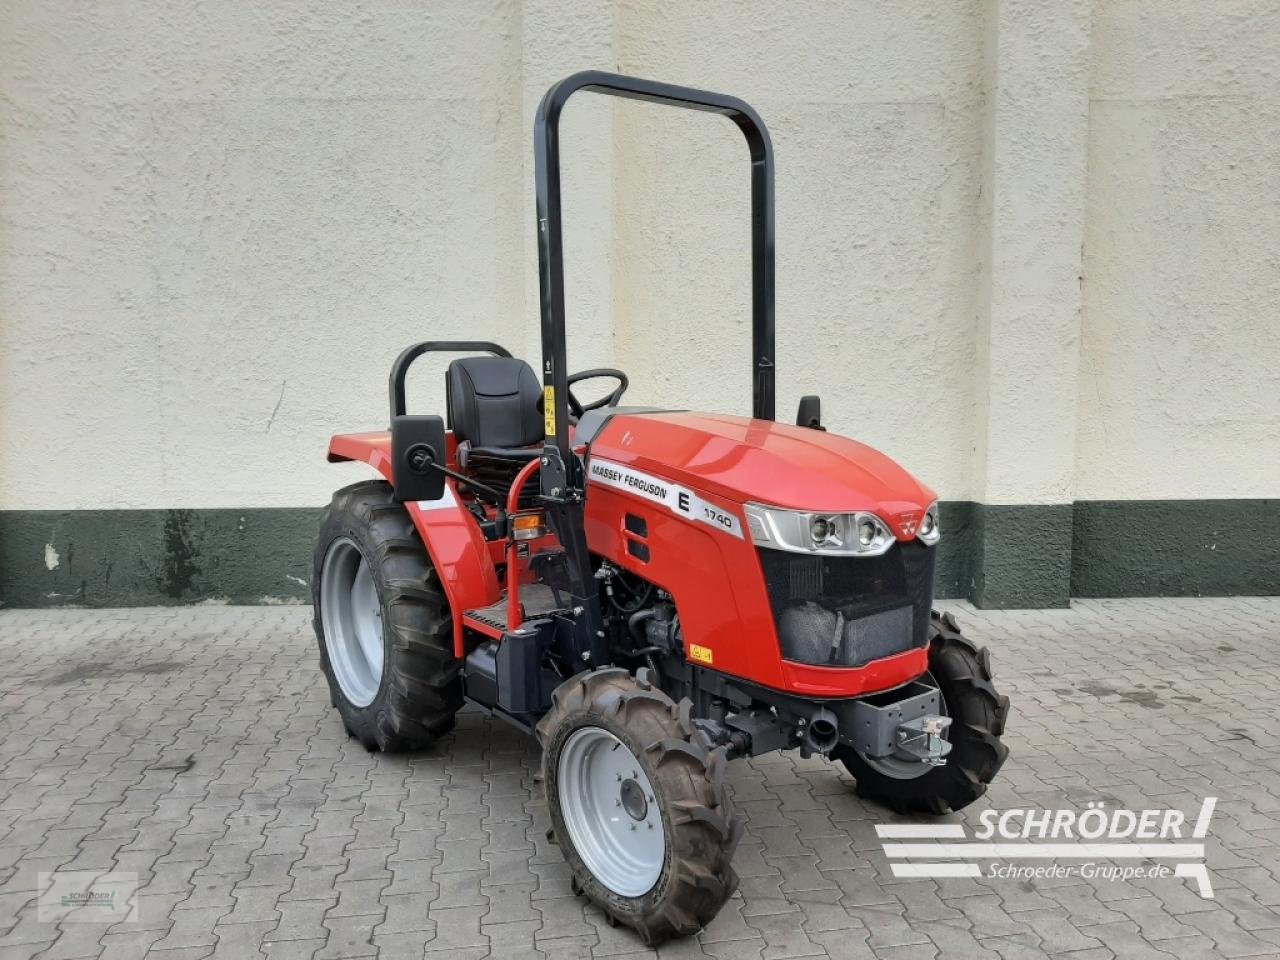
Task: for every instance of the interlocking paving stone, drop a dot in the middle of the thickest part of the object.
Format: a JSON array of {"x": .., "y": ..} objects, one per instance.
[{"x": 196, "y": 747}]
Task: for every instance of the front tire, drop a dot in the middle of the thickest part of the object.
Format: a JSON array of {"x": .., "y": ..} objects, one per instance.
[
  {"x": 383, "y": 623},
  {"x": 963, "y": 674},
  {"x": 638, "y": 804}
]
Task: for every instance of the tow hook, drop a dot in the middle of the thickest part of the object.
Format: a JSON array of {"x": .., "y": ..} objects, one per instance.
[{"x": 921, "y": 739}]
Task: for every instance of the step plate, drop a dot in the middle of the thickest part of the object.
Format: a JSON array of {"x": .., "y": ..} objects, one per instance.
[{"x": 537, "y": 599}]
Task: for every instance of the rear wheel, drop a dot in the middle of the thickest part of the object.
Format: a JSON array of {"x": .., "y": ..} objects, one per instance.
[
  {"x": 962, "y": 672},
  {"x": 638, "y": 803},
  {"x": 382, "y": 623}
]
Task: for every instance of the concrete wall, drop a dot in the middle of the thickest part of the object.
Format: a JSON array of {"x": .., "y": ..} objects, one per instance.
[{"x": 1028, "y": 247}]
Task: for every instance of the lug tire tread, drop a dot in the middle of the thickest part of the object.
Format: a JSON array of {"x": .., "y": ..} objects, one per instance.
[
  {"x": 702, "y": 830},
  {"x": 421, "y": 688},
  {"x": 978, "y": 715}
]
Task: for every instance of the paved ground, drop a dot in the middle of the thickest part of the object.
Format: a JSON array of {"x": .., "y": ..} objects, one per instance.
[{"x": 196, "y": 747}]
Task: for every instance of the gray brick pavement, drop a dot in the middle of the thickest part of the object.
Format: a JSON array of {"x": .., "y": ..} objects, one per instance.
[{"x": 196, "y": 747}]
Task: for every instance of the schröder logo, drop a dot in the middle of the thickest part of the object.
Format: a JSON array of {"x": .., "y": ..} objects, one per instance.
[{"x": 1097, "y": 843}]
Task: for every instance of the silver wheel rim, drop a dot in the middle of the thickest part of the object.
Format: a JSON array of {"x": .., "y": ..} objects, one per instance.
[
  {"x": 610, "y": 811},
  {"x": 900, "y": 769},
  {"x": 352, "y": 620}
]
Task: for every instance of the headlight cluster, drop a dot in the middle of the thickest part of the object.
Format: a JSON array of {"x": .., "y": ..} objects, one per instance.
[
  {"x": 843, "y": 534},
  {"x": 861, "y": 534}
]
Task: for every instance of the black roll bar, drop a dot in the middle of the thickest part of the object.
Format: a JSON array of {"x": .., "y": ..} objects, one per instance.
[
  {"x": 546, "y": 149},
  {"x": 400, "y": 368}
]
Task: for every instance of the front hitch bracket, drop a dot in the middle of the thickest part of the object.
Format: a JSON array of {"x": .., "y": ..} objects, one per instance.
[
  {"x": 906, "y": 723},
  {"x": 921, "y": 739}
]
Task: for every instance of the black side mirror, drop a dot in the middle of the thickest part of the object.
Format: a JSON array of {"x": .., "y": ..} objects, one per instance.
[
  {"x": 810, "y": 413},
  {"x": 417, "y": 453}
]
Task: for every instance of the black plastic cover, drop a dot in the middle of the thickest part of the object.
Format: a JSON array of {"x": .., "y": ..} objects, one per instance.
[{"x": 417, "y": 448}]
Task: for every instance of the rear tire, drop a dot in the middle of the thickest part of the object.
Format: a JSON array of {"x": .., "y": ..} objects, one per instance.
[
  {"x": 369, "y": 550},
  {"x": 963, "y": 674},
  {"x": 680, "y": 881}
]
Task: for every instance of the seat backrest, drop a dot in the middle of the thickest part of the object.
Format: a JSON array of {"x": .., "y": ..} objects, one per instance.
[{"x": 493, "y": 402}]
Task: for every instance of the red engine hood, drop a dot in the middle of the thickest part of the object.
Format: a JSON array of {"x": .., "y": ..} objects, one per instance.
[{"x": 763, "y": 462}]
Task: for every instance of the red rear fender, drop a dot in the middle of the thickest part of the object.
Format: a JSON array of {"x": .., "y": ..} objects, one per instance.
[
  {"x": 371, "y": 448},
  {"x": 458, "y": 550}
]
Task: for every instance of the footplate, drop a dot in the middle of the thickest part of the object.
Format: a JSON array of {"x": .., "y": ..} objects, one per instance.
[{"x": 906, "y": 723}]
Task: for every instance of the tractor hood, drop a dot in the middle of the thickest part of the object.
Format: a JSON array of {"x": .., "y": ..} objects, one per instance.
[{"x": 762, "y": 461}]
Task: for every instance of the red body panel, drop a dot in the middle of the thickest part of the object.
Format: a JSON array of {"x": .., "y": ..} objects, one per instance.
[
  {"x": 761, "y": 461},
  {"x": 712, "y": 573},
  {"x": 371, "y": 448},
  {"x": 714, "y": 576}
]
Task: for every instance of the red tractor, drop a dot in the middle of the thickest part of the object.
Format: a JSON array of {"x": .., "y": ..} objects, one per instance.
[{"x": 651, "y": 592}]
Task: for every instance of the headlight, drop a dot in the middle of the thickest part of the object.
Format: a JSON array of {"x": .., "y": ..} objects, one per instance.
[
  {"x": 823, "y": 532},
  {"x": 860, "y": 534},
  {"x": 929, "y": 531}
]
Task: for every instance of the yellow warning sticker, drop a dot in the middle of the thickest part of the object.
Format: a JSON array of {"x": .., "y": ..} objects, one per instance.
[
  {"x": 701, "y": 654},
  {"x": 549, "y": 410}
]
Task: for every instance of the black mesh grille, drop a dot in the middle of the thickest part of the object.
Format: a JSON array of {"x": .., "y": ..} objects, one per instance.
[{"x": 848, "y": 611}]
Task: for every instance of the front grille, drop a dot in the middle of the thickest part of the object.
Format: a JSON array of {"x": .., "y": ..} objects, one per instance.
[{"x": 848, "y": 611}]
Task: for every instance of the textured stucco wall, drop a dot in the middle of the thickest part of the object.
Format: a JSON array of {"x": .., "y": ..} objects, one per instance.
[
  {"x": 1180, "y": 367},
  {"x": 221, "y": 223},
  {"x": 1027, "y": 247},
  {"x": 874, "y": 112},
  {"x": 1039, "y": 82}
]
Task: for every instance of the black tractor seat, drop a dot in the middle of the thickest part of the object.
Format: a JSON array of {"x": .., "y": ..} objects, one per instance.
[{"x": 493, "y": 412}]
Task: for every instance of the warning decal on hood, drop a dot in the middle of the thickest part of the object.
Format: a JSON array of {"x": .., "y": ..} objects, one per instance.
[{"x": 679, "y": 500}]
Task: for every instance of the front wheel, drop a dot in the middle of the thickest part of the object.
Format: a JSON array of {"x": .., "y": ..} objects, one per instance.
[
  {"x": 963, "y": 675},
  {"x": 638, "y": 803}
]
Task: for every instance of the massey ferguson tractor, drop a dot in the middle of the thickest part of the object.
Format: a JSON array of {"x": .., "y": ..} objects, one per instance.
[{"x": 651, "y": 592}]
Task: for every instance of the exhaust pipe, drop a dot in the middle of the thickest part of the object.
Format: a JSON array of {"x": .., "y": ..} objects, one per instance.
[{"x": 822, "y": 732}]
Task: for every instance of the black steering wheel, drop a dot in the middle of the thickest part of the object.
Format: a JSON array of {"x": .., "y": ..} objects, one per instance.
[{"x": 577, "y": 408}]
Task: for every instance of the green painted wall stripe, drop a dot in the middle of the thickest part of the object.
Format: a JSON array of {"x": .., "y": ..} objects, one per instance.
[
  {"x": 146, "y": 557},
  {"x": 1175, "y": 548},
  {"x": 954, "y": 572},
  {"x": 1021, "y": 556},
  {"x": 997, "y": 556}
]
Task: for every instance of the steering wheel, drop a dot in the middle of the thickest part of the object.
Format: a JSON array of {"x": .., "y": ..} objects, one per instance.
[{"x": 577, "y": 408}]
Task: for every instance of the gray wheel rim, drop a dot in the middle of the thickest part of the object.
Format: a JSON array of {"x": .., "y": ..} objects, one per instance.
[
  {"x": 900, "y": 769},
  {"x": 352, "y": 620},
  {"x": 610, "y": 811}
]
